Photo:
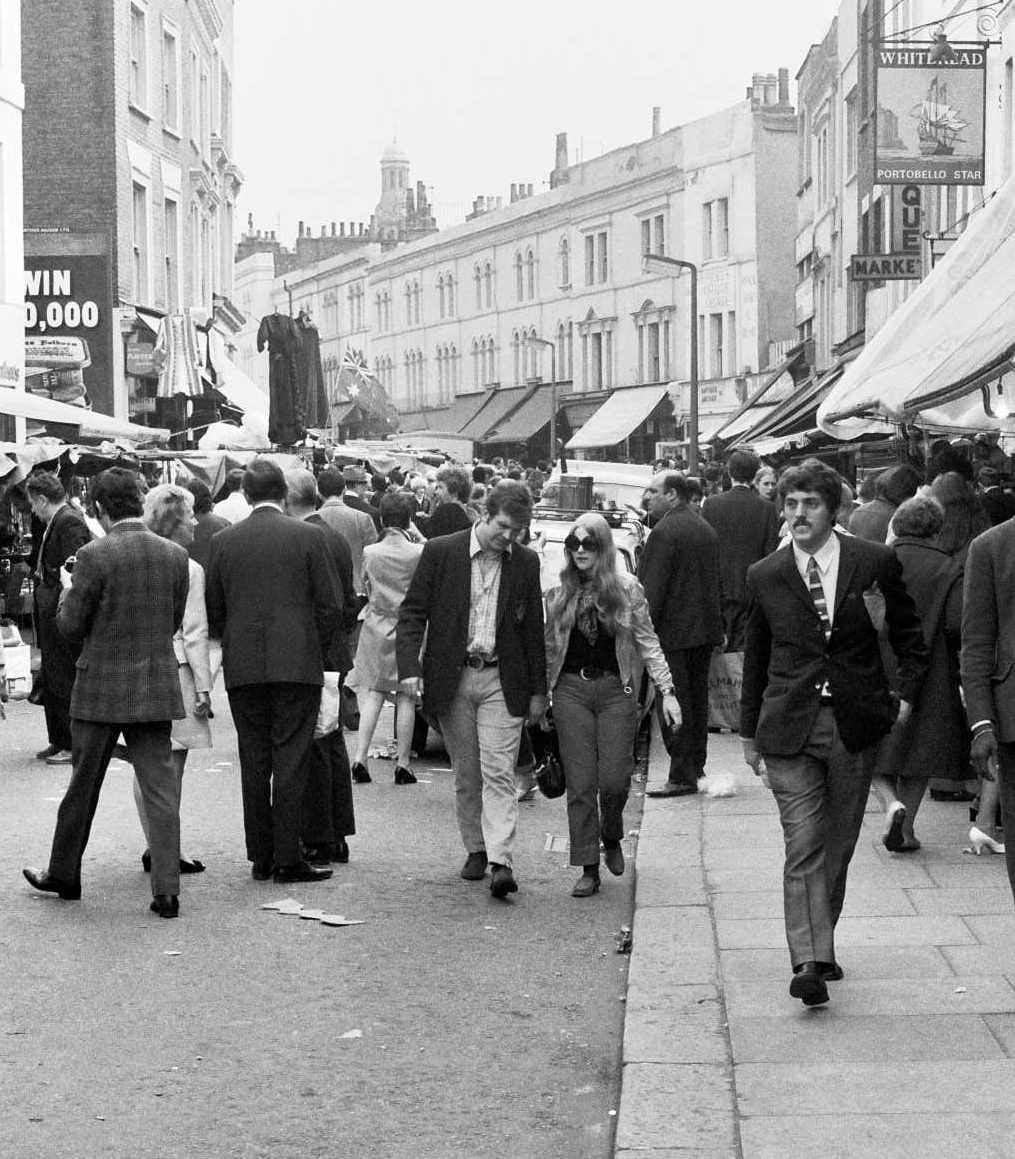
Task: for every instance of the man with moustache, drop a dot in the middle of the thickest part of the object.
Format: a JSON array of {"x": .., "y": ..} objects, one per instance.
[{"x": 816, "y": 699}]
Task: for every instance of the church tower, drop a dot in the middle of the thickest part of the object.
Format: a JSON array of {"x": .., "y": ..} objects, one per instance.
[{"x": 391, "y": 209}]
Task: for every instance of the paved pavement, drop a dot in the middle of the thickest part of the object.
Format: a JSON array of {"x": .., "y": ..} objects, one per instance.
[{"x": 915, "y": 1053}]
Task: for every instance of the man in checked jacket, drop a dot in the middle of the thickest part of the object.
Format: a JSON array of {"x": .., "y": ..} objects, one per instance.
[{"x": 122, "y": 605}]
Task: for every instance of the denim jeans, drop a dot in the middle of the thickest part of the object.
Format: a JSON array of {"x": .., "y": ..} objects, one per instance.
[{"x": 597, "y": 721}]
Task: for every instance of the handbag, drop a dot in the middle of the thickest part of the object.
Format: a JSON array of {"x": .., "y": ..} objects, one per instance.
[
  {"x": 550, "y": 777},
  {"x": 38, "y": 693},
  {"x": 349, "y": 710},
  {"x": 329, "y": 715}
]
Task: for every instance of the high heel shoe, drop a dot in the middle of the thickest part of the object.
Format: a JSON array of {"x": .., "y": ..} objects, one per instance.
[
  {"x": 981, "y": 841},
  {"x": 404, "y": 776},
  {"x": 360, "y": 773}
]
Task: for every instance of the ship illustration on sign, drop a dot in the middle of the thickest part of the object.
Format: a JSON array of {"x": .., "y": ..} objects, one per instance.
[{"x": 938, "y": 123}]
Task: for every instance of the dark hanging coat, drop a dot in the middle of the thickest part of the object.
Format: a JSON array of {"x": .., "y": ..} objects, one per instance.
[
  {"x": 311, "y": 395},
  {"x": 285, "y": 417}
]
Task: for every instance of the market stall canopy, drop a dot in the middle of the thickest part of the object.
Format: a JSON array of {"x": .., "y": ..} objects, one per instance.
[
  {"x": 90, "y": 424},
  {"x": 499, "y": 403},
  {"x": 951, "y": 338},
  {"x": 618, "y": 416},
  {"x": 528, "y": 417}
]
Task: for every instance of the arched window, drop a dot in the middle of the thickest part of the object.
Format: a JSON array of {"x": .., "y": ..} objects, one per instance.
[
  {"x": 488, "y": 284},
  {"x": 478, "y": 276},
  {"x": 565, "y": 263},
  {"x": 477, "y": 370},
  {"x": 519, "y": 278},
  {"x": 516, "y": 344},
  {"x": 449, "y": 285},
  {"x": 535, "y": 354},
  {"x": 452, "y": 354},
  {"x": 530, "y": 274},
  {"x": 440, "y": 294},
  {"x": 408, "y": 303},
  {"x": 491, "y": 369}
]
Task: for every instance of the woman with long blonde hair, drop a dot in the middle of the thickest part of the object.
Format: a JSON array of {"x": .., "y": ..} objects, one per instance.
[{"x": 599, "y": 637}]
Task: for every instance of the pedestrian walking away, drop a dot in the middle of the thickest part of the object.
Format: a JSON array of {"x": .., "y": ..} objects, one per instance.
[
  {"x": 122, "y": 606},
  {"x": 475, "y": 599},
  {"x": 816, "y": 697}
]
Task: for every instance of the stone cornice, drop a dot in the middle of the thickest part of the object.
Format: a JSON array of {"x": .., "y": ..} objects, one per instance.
[{"x": 210, "y": 17}]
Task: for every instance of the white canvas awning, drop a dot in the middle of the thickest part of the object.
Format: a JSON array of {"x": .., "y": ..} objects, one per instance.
[
  {"x": 623, "y": 411},
  {"x": 954, "y": 334},
  {"x": 91, "y": 424}
]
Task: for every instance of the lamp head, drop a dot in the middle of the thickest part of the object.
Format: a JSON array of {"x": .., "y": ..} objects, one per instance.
[{"x": 941, "y": 52}]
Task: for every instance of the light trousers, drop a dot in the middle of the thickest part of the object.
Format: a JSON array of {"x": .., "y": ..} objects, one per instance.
[
  {"x": 597, "y": 721},
  {"x": 482, "y": 740},
  {"x": 822, "y": 794}
]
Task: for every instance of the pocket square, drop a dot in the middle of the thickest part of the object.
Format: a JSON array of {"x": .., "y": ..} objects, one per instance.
[{"x": 874, "y": 602}]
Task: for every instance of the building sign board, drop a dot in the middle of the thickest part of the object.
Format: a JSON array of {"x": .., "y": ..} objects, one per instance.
[
  {"x": 930, "y": 122},
  {"x": 68, "y": 296},
  {"x": 885, "y": 267}
]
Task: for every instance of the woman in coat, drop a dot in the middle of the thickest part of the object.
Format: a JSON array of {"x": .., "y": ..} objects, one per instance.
[
  {"x": 599, "y": 636},
  {"x": 388, "y": 568},
  {"x": 934, "y": 741},
  {"x": 169, "y": 512}
]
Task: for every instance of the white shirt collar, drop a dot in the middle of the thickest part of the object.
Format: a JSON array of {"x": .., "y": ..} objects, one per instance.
[
  {"x": 267, "y": 503},
  {"x": 826, "y": 556},
  {"x": 475, "y": 547}
]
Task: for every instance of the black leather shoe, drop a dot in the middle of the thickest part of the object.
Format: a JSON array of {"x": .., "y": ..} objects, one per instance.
[
  {"x": 613, "y": 855},
  {"x": 474, "y": 868},
  {"x": 194, "y": 866},
  {"x": 165, "y": 905},
  {"x": 342, "y": 851},
  {"x": 318, "y": 854},
  {"x": 301, "y": 871},
  {"x": 403, "y": 776},
  {"x": 808, "y": 984},
  {"x": 502, "y": 881},
  {"x": 49, "y": 751},
  {"x": 260, "y": 870},
  {"x": 43, "y": 881},
  {"x": 672, "y": 789},
  {"x": 830, "y": 971},
  {"x": 360, "y": 774}
]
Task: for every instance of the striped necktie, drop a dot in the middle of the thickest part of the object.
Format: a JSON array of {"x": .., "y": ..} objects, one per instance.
[{"x": 818, "y": 596}]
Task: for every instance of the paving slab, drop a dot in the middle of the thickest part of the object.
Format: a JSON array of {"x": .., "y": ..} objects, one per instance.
[
  {"x": 966, "y": 901},
  {"x": 741, "y": 831},
  {"x": 991, "y": 959},
  {"x": 993, "y": 930},
  {"x": 988, "y": 871},
  {"x": 660, "y": 884},
  {"x": 807, "y": 1036},
  {"x": 743, "y": 879},
  {"x": 684, "y": 1108},
  {"x": 941, "y": 1136},
  {"x": 982, "y": 1086},
  {"x": 685, "y": 1024},
  {"x": 866, "y": 901},
  {"x": 889, "y": 996},
  {"x": 916, "y": 962},
  {"x": 673, "y": 943},
  {"x": 929, "y": 930},
  {"x": 1002, "y": 1027}
]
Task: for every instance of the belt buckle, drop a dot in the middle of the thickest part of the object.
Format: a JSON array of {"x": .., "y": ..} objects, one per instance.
[
  {"x": 587, "y": 672},
  {"x": 474, "y": 662}
]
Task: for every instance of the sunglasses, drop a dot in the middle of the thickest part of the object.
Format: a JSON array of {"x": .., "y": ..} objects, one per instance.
[{"x": 574, "y": 543}]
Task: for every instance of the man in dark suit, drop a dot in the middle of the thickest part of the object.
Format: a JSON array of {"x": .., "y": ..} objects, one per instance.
[
  {"x": 452, "y": 490},
  {"x": 121, "y": 607},
  {"x": 987, "y": 662},
  {"x": 998, "y": 503},
  {"x": 357, "y": 484},
  {"x": 328, "y": 815},
  {"x": 680, "y": 573},
  {"x": 476, "y": 600},
  {"x": 748, "y": 530},
  {"x": 816, "y": 699},
  {"x": 65, "y": 532},
  {"x": 272, "y": 600}
]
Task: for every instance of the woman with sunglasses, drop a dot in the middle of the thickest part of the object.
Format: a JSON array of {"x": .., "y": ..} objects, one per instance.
[{"x": 599, "y": 637}]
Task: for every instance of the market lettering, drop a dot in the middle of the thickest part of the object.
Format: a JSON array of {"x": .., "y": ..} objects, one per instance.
[
  {"x": 47, "y": 283},
  {"x": 885, "y": 267}
]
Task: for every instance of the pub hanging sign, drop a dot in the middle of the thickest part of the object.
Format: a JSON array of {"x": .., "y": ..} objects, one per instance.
[{"x": 930, "y": 123}]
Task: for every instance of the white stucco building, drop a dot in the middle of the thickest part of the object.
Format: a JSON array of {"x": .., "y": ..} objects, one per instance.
[{"x": 12, "y": 264}]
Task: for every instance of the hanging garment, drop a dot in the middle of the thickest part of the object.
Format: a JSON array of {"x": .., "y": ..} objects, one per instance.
[
  {"x": 285, "y": 417},
  {"x": 310, "y": 391}
]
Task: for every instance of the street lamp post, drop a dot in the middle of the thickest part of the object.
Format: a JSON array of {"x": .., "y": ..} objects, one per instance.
[
  {"x": 553, "y": 391},
  {"x": 648, "y": 260}
]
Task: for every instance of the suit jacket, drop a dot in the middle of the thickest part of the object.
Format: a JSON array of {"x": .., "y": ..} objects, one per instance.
[
  {"x": 358, "y": 503},
  {"x": 987, "y": 659},
  {"x": 437, "y": 605},
  {"x": 999, "y": 505},
  {"x": 447, "y": 518},
  {"x": 272, "y": 597},
  {"x": 126, "y": 602},
  {"x": 355, "y": 526},
  {"x": 680, "y": 574},
  {"x": 338, "y": 656},
  {"x": 748, "y": 530},
  {"x": 208, "y": 525},
  {"x": 66, "y": 532},
  {"x": 787, "y": 662}
]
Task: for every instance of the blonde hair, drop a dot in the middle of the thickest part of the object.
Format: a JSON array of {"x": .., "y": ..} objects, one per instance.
[
  {"x": 611, "y": 600},
  {"x": 166, "y": 507}
]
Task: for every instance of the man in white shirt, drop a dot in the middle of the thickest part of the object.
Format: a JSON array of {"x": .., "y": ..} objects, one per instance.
[{"x": 234, "y": 506}]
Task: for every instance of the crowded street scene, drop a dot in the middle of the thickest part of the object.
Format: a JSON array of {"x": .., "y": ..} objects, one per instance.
[{"x": 521, "y": 673}]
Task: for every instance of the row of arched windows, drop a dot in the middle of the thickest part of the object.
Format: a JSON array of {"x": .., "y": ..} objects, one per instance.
[
  {"x": 415, "y": 378},
  {"x": 484, "y": 361},
  {"x": 525, "y": 276},
  {"x": 384, "y": 372},
  {"x": 447, "y": 372}
]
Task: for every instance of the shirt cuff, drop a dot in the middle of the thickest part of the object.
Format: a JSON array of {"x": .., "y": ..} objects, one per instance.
[{"x": 980, "y": 725}]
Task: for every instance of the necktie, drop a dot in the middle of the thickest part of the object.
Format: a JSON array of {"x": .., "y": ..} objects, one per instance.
[{"x": 818, "y": 596}]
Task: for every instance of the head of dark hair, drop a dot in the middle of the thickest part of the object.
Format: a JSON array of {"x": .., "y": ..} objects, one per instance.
[
  {"x": 46, "y": 484},
  {"x": 264, "y": 482},
  {"x": 898, "y": 484},
  {"x": 677, "y": 481},
  {"x": 480, "y": 473},
  {"x": 396, "y": 509},
  {"x": 202, "y": 495},
  {"x": 812, "y": 475},
  {"x": 395, "y": 476},
  {"x": 330, "y": 482},
  {"x": 694, "y": 489},
  {"x": 118, "y": 492},
  {"x": 378, "y": 484},
  {"x": 512, "y": 498},
  {"x": 456, "y": 480},
  {"x": 948, "y": 458},
  {"x": 233, "y": 480},
  {"x": 920, "y": 517},
  {"x": 743, "y": 466}
]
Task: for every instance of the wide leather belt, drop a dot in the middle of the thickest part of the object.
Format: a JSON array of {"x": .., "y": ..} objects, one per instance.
[
  {"x": 590, "y": 672},
  {"x": 478, "y": 662}
]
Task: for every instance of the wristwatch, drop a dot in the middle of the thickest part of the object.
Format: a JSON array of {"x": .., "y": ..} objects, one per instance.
[{"x": 666, "y": 691}]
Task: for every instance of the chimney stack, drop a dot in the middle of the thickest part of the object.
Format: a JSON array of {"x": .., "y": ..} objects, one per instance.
[
  {"x": 784, "y": 86},
  {"x": 332, "y": 229},
  {"x": 341, "y": 229},
  {"x": 514, "y": 192},
  {"x": 771, "y": 89},
  {"x": 301, "y": 229},
  {"x": 528, "y": 189},
  {"x": 656, "y": 118}
]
